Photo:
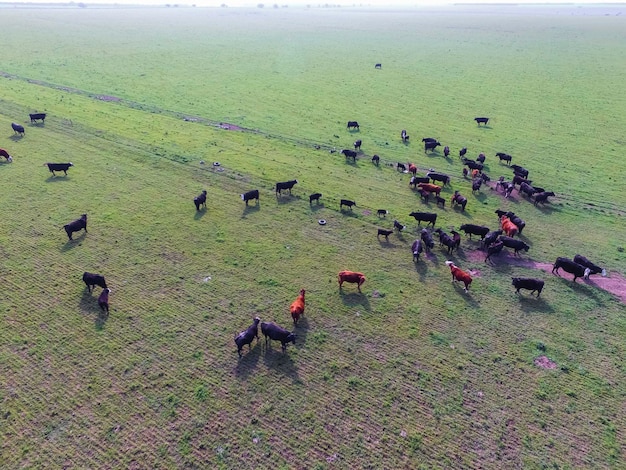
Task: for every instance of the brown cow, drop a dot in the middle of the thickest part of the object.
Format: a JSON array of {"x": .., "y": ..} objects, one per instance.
[
  {"x": 431, "y": 188},
  {"x": 352, "y": 277}
]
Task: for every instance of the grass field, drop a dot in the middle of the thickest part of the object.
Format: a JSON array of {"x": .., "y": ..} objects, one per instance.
[{"x": 413, "y": 373}]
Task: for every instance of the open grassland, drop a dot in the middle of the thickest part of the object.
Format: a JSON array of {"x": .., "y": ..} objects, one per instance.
[{"x": 414, "y": 372}]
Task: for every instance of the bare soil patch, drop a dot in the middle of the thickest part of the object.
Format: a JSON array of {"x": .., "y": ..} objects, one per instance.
[{"x": 545, "y": 363}]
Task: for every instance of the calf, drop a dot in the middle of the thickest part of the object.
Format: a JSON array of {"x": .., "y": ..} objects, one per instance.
[
  {"x": 200, "y": 200},
  {"x": 533, "y": 285},
  {"x": 247, "y": 335},
  {"x": 253, "y": 194},
  {"x": 76, "y": 225},
  {"x": 481, "y": 120},
  {"x": 446, "y": 151},
  {"x": 416, "y": 248},
  {"x": 103, "y": 300},
  {"x": 17, "y": 128},
  {"x": 593, "y": 268},
  {"x": 431, "y": 218},
  {"x": 440, "y": 201},
  {"x": 471, "y": 229},
  {"x": 5, "y": 154},
  {"x": 412, "y": 169},
  {"x": 58, "y": 167},
  {"x": 375, "y": 160},
  {"x": 542, "y": 197},
  {"x": 383, "y": 212},
  {"x": 494, "y": 249},
  {"x": 427, "y": 239},
  {"x": 315, "y": 197},
  {"x": 272, "y": 331},
  {"x": 285, "y": 185},
  {"x": 385, "y": 233},
  {"x": 571, "y": 267},
  {"x": 425, "y": 195},
  {"x": 346, "y": 202},
  {"x": 398, "y": 226},
  {"x": 357, "y": 144},
  {"x": 517, "y": 245},
  {"x": 404, "y": 136},
  {"x": 34, "y": 117},
  {"x": 400, "y": 167},
  {"x": 92, "y": 280}
]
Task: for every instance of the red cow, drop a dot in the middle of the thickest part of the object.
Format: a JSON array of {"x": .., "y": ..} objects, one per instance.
[
  {"x": 459, "y": 275},
  {"x": 509, "y": 227},
  {"x": 5, "y": 154},
  {"x": 431, "y": 188},
  {"x": 412, "y": 169},
  {"x": 352, "y": 277},
  {"x": 297, "y": 307}
]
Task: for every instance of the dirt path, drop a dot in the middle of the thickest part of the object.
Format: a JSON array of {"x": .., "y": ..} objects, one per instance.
[{"x": 614, "y": 282}]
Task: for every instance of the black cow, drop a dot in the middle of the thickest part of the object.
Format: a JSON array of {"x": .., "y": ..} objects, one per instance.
[
  {"x": 378, "y": 66},
  {"x": 37, "y": 117},
  {"x": 504, "y": 157},
  {"x": 471, "y": 229},
  {"x": 432, "y": 146},
  {"x": 17, "y": 128},
  {"x": 349, "y": 154},
  {"x": 315, "y": 197},
  {"x": 285, "y": 185},
  {"x": 481, "y": 120},
  {"x": 462, "y": 152},
  {"x": 473, "y": 165},
  {"x": 459, "y": 200},
  {"x": 58, "y": 167},
  {"x": 375, "y": 160},
  {"x": 513, "y": 218},
  {"x": 429, "y": 139},
  {"x": 485, "y": 177},
  {"x": 491, "y": 238},
  {"x": 427, "y": 239},
  {"x": 272, "y": 331},
  {"x": 103, "y": 300},
  {"x": 571, "y": 267},
  {"x": 253, "y": 194},
  {"x": 247, "y": 335},
  {"x": 92, "y": 280},
  {"x": 526, "y": 189},
  {"x": 415, "y": 180},
  {"x": 542, "y": 197},
  {"x": 481, "y": 158},
  {"x": 384, "y": 232},
  {"x": 593, "y": 268},
  {"x": 357, "y": 144},
  {"x": 353, "y": 124},
  {"x": 494, "y": 249},
  {"x": 404, "y": 136},
  {"x": 446, "y": 151},
  {"x": 200, "y": 200},
  {"x": 397, "y": 225},
  {"x": 518, "y": 179},
  {"x": 520, "y": 170},
  {"x": 416, "y": 248},
  {"x": 528, "y": 283},
  {"x": 431, "y": 218},
  {"x": 424, "y": 195},
  {"x": 383, "y": 212},
  {"x": 400, "y": 166},
  {"x": 76, "y": 225},
  {"x": 517, "y": 245},
  {"x": 445, "y": 179},
  {"x": 447, "y": 240},
  {"x": 440, "y": 201},
  {"x": 346, "y": 202},
  {"x": 476, "y": 184}
]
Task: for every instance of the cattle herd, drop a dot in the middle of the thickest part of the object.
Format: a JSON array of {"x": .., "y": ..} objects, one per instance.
[{"x": 492, "y": 241}]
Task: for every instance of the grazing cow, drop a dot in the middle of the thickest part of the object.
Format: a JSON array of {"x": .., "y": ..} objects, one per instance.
[
  {"x": 383, "y": 212},
  {"x": 446, "y": 151},
  {"x": 17, "y": 128},
  {"x": 425, "y": 195},
  {"x": 485, "y": 177},
  {"x": 404, "y": 136},
  {"x": 504, "y": 157},
  {"x": 481, "y": 120},
  {"x": 247, "y": 335},
  {"x": 349, "y": 154},
  {"x": 471, "y": 229},
  {"x": 571, "y": 267},
  {"x": 34, "y": 117},
  {"x": 385, "y": 233},
  {"x": 506, "y": 186},
  {"x": 378, "y": 66},
  {"x": 415, "y": 180},
  {"x": 459, "y": 275},
  {"x": 400, "y": 167},
  {"x": 431, "y": 218},
  {"x": 375, "y": 160},
  {"x": 272, "y": 331},
  {"x": 432, "y": 146},
  {"x": 297, "y": 307},
  {"x": 92, "y": 280},
  {"x": 520, "y": 170},
  {"x": 412, "y": 169},
  {"x": 494, "y": 249},
  {"x": 517, "y": 179},
  {"x": 526, "y": 189},
  {"x": 542, "y": 197},
  {"x": 200, "y": 200},
  {"x": 445, "y": 179},
  {"x": 457, "y": 199},
  {"x": 315, "y": 197},
  {"x": 357, "y": 144},
  {"x": 491, "y": 238},
  {"x": 429, "y": 139},
  {"x": 431, "y": 188},
  {"x": 427, "y": 239},
  {"x": 351, "y": 277},
  {"x": 253, "y": 194},
  {"x": 447, "y": 240},
  {"x": 593, "y": 268},
  {"x": 476, "y": 184},
  {"x": 472, "y": 165},
  {"x": 417, "y": 248},
  {"x": 287, "y": 185},
  {"x": 5, "y": 154},
  {"x": 465, "y": 173},
  {"x": 440, "y": 201},
  {"x": 462, "y": 152},
  {"x": 398, "y": 226},
  {"x": 531, "y": 284},
  {"x": 346, "y": 202},
  {"x": 103, "y": 300},
  {"x": 509, "y": 227},
  {"x": 353, "y": 125},
  {"x": 481, "y": 158},
  {"x": 76, "y": 225},
  {"x": 517, "y": 245}
]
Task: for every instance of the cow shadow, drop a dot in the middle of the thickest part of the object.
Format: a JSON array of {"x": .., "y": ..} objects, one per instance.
[
  {"x": 76, "y": 241},
  {"x": 16, "y": 137},
  {"x": 101, "y": 319},
  {"x": 199, "y": 214},
  {"x": 250, "y": 209},
  {"x": 384, "y": 243},
  {"x": 280, "y": 361},
  {"x": 480, "y": 197},
  {"x": 351, "y": 162},
  {"x": 37, "y": 124},
  {"x": 348, "y": 212},
  {"x": 355, "y": 299},
  {"x": 301, "y": 331},
  {"x": 464, "y": 213},
  {"x": 247, "y": 363},
  {"x": 485, "y": 127},
  {"x": 53, "y": 179},
  {"x": 432, "y": 257},
  {"x": 529, "y": 304},
  {"x": 547, "y": 208},
  {"x": 316, "y": 207},
  {"x": 285, "y": 199},
  {"x": 88, "y": 305},
  {"x": 421, "y": 267}
]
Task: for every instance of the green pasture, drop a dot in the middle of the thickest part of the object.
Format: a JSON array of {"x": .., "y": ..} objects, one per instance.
[{"x": 413, "y": 373}]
